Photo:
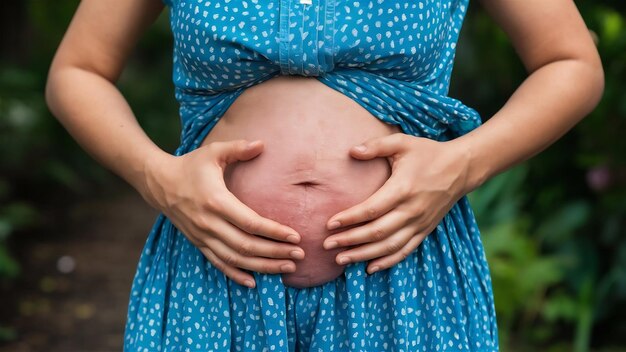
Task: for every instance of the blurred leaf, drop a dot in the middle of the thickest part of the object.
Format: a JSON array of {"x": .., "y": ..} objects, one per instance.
[
  {"x": 561, "y": 306},
  {"x": 20, "y": 215},
  {"x": 499, "y": 198},
  {"x": 14, "y": 78},
  {"x": 6, "y": 228},
  {"x": 563, "y": 223},
  {"x": 7, "y": 334},
  {"x": 65, "y": 175},
  {"x": 613, "y": 26},
  {"x": 8, "y": 266}
]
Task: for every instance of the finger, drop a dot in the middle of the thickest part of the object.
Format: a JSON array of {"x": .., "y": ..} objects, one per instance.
[
  {"x": 237, "y": 150},
  {"x": 240, "y": 215},
  {"x": 235, "y": 274},
  {"x": 380, "y": 147},
  {"x": 390, "y": 245},
  {"x": 388, "y": 261},
  {"x": 373, "y": 231},
  {"x": 259, "y": 264},
  {"x": 387, "y": 197},
  {"x": 245, "y": 244}
]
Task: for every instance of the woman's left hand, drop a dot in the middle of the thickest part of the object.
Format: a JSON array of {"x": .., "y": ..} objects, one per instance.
[{"x": 427, "y": 178}]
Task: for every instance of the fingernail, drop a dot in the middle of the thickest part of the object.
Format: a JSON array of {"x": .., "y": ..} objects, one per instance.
[
  {"x": 374, "y": 269},
  {"x": 297, "y": 254},
  {"x": 251, "y": 144},
  {"x": 249, "y": 283},
  {"x": 293, "y": 238},
  {"x": 333, "y": 225},
  {"x": 344, "y": 260},
  {"x": 331, "y": 245},
  {"x": 287, "y": 268},
  {"x": 360, "y": 148}
]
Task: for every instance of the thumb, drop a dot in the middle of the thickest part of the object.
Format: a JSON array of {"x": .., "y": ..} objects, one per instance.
[
  {"x": 237, "y": 150},
  {"x": 385, "y": 146}
]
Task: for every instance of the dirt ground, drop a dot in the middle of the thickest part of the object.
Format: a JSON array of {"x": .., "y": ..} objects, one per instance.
[{"x": 72, "y": 294}]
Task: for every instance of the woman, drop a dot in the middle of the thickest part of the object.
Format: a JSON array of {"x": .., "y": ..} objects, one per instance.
[{"x": 302, "y": 239}]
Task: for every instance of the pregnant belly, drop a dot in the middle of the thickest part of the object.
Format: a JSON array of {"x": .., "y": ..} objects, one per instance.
[{"x": 304, "y": 174}]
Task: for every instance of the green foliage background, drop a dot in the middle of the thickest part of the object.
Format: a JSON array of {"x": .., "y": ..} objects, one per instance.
[{"x": 554, "y": 227}]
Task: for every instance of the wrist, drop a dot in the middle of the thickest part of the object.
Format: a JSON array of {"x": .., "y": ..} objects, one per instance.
[
  {"x": 150, "y": 180},
  {"x": 477, "y": 171}
]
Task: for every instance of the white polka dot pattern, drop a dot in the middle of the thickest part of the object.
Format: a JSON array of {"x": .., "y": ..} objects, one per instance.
[{"x": 395, "y": 59}]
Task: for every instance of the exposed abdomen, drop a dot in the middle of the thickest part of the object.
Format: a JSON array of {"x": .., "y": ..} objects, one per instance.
[{"x": 305, "y": 174}]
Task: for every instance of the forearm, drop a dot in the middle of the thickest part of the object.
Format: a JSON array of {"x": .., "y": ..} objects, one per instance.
[
  {"x": 98, "y": 117},
  {"x": 551, "y": 100}
]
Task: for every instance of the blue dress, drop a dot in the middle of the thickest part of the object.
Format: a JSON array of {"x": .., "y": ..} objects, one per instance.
[{"x": 394, "y": 58}]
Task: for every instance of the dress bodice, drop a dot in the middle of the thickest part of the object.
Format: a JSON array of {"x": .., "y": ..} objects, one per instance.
[{"x": 392, "y": 57}]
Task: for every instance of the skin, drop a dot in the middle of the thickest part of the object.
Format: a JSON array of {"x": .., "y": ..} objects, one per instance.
[
  {"x": 565, "y": 83},
  {"x": 305, "y": 173}
]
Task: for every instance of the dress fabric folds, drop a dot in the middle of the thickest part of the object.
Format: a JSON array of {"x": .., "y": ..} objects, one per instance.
[{"x": 394, "y": 58}]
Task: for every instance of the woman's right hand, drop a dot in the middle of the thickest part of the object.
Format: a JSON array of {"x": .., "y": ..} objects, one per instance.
[{"x": 190, "y": 190}]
